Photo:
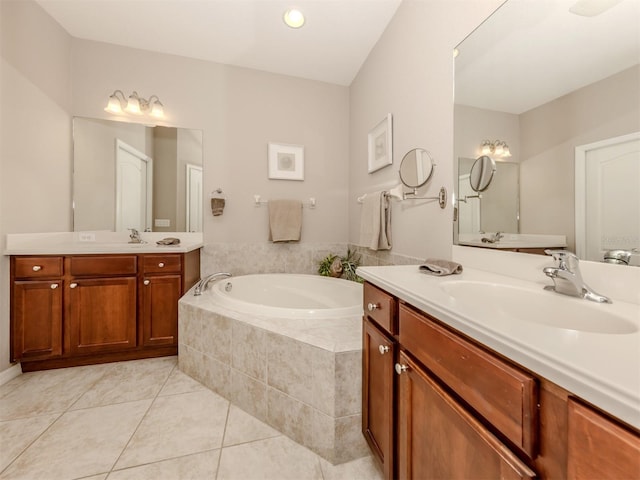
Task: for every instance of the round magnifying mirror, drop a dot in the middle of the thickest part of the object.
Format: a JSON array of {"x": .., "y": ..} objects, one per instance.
[
  {"x": 482, "y": 173},
  {"x": 416, "y": 168}
]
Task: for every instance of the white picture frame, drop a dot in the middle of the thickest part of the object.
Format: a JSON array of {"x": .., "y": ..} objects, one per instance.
[
  {"x": 286, "y": 162},
  {"x": 380, "y": 145}
]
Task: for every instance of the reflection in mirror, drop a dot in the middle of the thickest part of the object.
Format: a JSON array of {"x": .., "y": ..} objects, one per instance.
[
  {"x": 416, "y": 168},
  {"x": 494, "y": 210},
  {"x": 128, "y": 175},
  {"x": 589, "y": 93},
  {"x": 482, "y": 173}
]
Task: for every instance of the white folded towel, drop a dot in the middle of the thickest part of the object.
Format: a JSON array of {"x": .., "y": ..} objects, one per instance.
[
  {"x": 375, "y": 222},
  {"x": 285, "y": 220}
]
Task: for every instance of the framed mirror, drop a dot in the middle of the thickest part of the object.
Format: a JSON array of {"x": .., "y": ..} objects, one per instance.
[
  {"x": 128, "y": 175},
  {"x": 550, "y": 83},
  {"x": 416, "y": 168}
]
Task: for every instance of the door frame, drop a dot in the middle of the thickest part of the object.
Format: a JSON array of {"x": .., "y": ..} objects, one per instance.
[{"x": 120, "y": 145}]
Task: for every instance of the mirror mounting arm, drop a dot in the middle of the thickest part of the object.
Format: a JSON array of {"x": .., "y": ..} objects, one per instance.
[{"x": 442, "y": 196}]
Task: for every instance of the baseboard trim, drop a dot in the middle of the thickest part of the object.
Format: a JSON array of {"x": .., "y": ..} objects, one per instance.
[{"x": 10, "y": 373}]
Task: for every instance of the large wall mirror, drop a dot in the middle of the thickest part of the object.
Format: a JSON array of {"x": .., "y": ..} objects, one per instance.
[
  {"x": 552, "y": 79},
  {"x": 128, "y": 175}
]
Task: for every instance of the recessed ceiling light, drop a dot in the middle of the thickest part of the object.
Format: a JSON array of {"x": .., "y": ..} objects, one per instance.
[
  {"x": 592, "y": 8},
  {"x": 293, "y": 18}
]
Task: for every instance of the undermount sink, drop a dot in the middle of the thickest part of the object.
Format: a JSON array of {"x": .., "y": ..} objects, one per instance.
[{"x": 540, "y": 307}]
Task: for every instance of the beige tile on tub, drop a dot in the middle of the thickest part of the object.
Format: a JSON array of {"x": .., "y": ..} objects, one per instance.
[
  {"x": 16, "y": 435},
  {"x": 80, "y": 443},
  {"x": 177, "y": 425},
  {"x": 198, "y": 466},
  {"x": 276, "y": 458},
  {"x": 249, "y": 350}
]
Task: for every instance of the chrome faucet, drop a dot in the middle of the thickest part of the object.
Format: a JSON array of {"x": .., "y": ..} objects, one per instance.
[
  {"x": 135, "y": 236},
  {"x": 201, "y": 286},
  {"x": 492, "y": 238},
  {"x": 567, "y": 278}
]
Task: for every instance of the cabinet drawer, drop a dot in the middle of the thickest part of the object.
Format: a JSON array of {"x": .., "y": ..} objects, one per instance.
[
  {"x": 162, "y": 263},
  {"x": 37, "y": 267},
  {"x": 103, "y": 265},
  {"x": 380, "y": 307},
  {"x": 504, "y": 395}
]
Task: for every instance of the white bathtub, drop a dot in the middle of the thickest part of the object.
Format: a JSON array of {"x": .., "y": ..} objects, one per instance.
[{"x": 289, "y": 296}]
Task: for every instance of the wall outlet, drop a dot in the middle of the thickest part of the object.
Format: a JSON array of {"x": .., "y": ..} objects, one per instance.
[
  {"x": 162, "y": 222},
  {"x": 87, "y": 237}
]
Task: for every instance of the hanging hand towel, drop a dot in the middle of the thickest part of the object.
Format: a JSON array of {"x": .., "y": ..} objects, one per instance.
[
  {"x": 439, "y": 267},
  {"x": 375, "y": 222},
  {"x": 285, "y": 220}
]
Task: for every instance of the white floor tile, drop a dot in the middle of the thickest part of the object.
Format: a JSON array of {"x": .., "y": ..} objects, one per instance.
[
  {"x": 243, "y": 428},
  {"x": 179, "y": 382},
  {"x": 177, "y": 425},
  {"x": 199, "y": 466},
  {"x": 16, "y": 435}
]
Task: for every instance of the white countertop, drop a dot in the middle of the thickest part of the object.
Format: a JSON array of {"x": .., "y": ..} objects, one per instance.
[
  {"x": 80, "y": 243},
  {"x": 603, "y": 369}
]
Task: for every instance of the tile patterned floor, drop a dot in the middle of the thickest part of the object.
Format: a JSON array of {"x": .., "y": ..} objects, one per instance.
[{"x": 142, "y": 420}]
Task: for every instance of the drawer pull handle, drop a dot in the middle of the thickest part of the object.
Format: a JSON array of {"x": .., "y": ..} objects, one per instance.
[
  {"x": 73, "y": 285},
  {"x": 147, "y": 282},
  {"x": 36, "y": 268},
  {"x": 373, "y": 306},
  {"x": 54, "y": 286},
  {"x": 383, "y": 349},
  {"x": 161, "y": 264},
  {"x": 401, "y": 368}
]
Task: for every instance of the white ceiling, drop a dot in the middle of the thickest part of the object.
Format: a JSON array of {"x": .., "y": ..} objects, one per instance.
[
  {"x": 335, "y": 41},
  {"x": 530, "y": 52}
]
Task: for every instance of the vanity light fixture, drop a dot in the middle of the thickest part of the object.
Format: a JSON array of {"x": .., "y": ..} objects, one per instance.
[
  {"x": 294, "y": 18},
  {"x": 497, "y": 148},
  {"x": 135, "y": 104}
]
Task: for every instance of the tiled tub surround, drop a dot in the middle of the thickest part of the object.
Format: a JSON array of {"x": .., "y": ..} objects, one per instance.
[
  {"x": 246, "y": 258},
  {"x": 301, "y": 377}
]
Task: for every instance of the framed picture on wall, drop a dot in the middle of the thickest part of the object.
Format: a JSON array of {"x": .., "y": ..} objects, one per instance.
[
  {"x": 286, "y": 162},
  {"x": 381, "y": 145}
]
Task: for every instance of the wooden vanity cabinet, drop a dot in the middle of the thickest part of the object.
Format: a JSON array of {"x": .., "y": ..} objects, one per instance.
[
  {"x": 83, "y": 309},
  {"x": 378, "y": 358},
  {"x": 459, "y": 410},
  {"x": 36, "y": 307},
  {"x": 439, "y": 438},
  {"x": 160, "y": 291},
  {"x": 101, "y": 303}
]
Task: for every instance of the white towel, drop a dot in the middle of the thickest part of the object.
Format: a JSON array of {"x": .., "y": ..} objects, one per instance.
[
  {"x": 375, "y": 222},
  {"x": 285, "y": 220}
]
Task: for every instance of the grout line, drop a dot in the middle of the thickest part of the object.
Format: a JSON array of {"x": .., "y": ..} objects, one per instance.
[
  {"x": 224, "y": 434},
  {"x": 135, "y": 430}
]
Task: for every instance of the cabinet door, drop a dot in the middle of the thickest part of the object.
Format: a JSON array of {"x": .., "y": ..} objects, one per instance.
[
  {"x": 102, "y": 314},
  {"x": 36, "y": 320},
  {"x": 599, "y": 448},
  {"x": 377, "y": 394},
  {"x": 438, "y": 438},
  {"x": 160, "y": 295}
]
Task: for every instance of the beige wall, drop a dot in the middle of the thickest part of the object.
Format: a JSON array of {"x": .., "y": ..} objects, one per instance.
[
  {"x": 35, "y": 133},
  {"x": 549, "y": 135},
  {"x": 239, "y": 111},
  {"x": 409, "y": 73}
]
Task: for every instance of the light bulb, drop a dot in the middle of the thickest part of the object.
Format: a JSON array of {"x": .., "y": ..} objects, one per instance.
[
  {"x": 114, "y": 105},
  {"x": 506, "y": 152},
  {"x": 499, "y": 149},
  {"x": 293, "y": 18},
  {"x": 157, "y": 110},
  {"x": 133, "y": 105}
]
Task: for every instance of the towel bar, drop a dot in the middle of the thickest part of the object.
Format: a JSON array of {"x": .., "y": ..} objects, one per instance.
[
  {"x": 259, "y": 202},
  {"x": 442, "y": 196}
]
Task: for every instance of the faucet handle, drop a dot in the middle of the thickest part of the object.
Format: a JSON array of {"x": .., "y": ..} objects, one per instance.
[{"x": 566, "y": 260}]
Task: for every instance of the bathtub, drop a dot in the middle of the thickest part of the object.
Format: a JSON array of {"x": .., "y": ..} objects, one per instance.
[
  {"x": 287, "y": 349},
  {"x": 289, "y": 296}
]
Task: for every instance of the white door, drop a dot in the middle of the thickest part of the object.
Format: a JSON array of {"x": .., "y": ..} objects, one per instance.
[
  {"x": 611, "y": 208},
  {"x": 134, "y": 174},
  {"x": 194, "y": 198},
  {"x": 469, "y": 211}
]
